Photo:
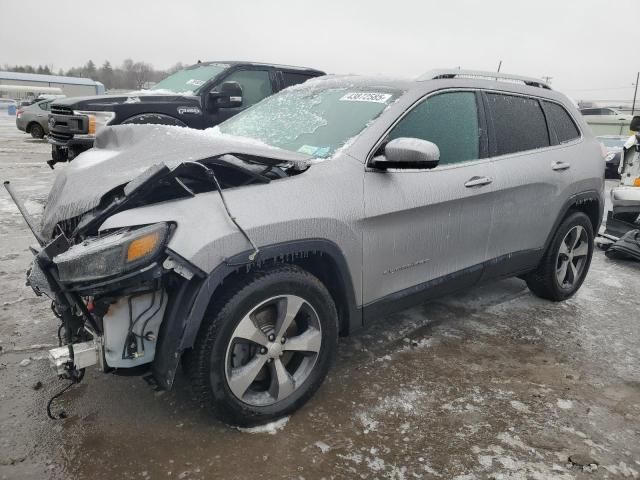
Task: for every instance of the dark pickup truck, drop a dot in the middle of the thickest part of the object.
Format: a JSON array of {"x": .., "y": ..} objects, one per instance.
[{"x": 200, "y": 96}]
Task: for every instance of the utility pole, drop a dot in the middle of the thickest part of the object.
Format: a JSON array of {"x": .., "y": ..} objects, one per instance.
[
  {"x": 499, "y": 66},
  {"x": 635, "y": 93}
]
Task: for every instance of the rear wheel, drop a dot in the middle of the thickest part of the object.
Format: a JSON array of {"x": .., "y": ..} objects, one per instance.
[
  {"x": 36, "y": 130},
  {"x": 566, "y": 262},
  {"x": 265, "y": 346}
]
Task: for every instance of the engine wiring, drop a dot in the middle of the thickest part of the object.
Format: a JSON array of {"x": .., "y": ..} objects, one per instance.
[
  {"x": 133, "y": 323},
  {"x": 212, "y": 176}
]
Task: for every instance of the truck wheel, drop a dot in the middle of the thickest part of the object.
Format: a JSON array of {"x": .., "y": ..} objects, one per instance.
[
  {"x": 59, "y": 154},
  {"x": 566, "y": 262},
  {"x": 265, "y": 346},
  {"x": 36, "y": 130}
]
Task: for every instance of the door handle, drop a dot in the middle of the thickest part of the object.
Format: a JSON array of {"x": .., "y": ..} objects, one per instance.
[
  {"x": 559, "y": 166},
  {"x": 478, "y": 182}
]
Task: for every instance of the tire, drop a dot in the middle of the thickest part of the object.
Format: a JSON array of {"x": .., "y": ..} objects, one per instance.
[
  {"x": 36, "y": 130},
  {"x": 59, "y": 154},
  {"x": 221, "y": 350},
  {"x": 545, "y": 280}
]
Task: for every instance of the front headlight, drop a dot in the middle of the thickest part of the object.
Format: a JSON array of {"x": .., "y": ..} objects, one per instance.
[
  {"x": 112, "y": 254},
  {"x": 610, "y": 156},
  {"x": 97, "y": 120}
]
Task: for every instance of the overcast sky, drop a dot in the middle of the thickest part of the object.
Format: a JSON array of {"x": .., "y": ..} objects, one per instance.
[{"x": 590, "y": 48}]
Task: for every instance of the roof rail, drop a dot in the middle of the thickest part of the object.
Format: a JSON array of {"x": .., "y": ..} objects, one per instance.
[{"x": 498, "y": 77}]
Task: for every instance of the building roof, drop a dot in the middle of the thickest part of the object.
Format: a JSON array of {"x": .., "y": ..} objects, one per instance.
[{"x": 36, "y": 77}]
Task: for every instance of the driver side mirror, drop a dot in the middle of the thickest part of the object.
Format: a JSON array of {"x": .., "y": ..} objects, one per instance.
[
  {"x": 406, "y": 153},
  {"x": 635, "y": 124},
  {"x": 227, "y": 95}
]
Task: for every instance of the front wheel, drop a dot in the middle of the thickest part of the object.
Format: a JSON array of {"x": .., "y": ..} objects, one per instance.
[
  {"x": 566, "y": 262},
  {"x": 265, "y": 346}
]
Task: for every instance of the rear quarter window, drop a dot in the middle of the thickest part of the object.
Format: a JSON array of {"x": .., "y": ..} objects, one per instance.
[
  {"x": 519, "y": 123},
  {"x": 292, "y": 78},
  {"x": 561, "y": 122}
]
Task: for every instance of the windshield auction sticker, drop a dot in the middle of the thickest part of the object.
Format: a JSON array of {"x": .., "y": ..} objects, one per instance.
[{"x": 366, "y": 97}]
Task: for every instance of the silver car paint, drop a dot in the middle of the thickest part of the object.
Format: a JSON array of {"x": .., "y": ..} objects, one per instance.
[
  {"x": 324, "y": 202},
  {"x": 414, "y": 226},
  {"x": 427, "y": 223},
  {"x": 33, "y": 113}
]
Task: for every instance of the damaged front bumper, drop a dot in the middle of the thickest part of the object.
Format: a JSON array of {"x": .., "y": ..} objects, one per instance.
[
  {"x": 623, "y": 218},
  {"x": 81, "y": 355},
  {"x": 112, "y": 322}
]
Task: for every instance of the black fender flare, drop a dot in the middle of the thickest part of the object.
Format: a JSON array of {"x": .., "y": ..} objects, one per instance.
[
  {"x": 189, "y": 304},
  {"x": 575, "y": 201},
  {"x": 156, "y": 119}
]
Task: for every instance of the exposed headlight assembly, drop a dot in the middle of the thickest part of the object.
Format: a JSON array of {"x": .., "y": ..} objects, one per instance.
[
  {"x": 97, "y": 120},
  {"x": 112, "y": 254}
]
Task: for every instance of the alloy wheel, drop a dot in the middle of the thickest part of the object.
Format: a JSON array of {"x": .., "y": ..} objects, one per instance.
[
  {"x": 572, "y": 257},
  {"x": 273, "y": 350}
]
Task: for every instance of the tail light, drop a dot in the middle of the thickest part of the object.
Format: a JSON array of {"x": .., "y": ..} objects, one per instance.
[{"x": 19, "y": 113}]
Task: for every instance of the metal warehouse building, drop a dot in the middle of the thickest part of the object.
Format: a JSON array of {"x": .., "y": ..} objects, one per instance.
[{"x": 24, "y": 85}]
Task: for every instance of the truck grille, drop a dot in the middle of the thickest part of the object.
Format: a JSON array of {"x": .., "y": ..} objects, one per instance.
[
  {"x": 60, "y": 136},
  {"x": 61, "y": 110}
]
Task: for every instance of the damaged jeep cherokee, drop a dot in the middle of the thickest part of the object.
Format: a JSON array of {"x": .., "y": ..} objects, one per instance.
[{"x": 243, "y": 252}]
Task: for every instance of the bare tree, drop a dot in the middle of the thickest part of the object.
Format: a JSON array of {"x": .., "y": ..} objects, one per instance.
[
  {"x": 142, "y": 73},
  {"x": 175, "y": 68}
]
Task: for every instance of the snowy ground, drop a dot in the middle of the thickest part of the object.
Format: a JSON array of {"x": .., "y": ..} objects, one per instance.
[{"x": 490, "y": 384}]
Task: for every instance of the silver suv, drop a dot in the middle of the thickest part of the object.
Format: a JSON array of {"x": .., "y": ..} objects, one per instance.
[{"x": 246, "y": 250}]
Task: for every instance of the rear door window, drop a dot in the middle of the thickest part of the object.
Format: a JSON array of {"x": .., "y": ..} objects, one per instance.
[
  {"x": 518, "y": 122},
  {"x": 450, "y": 120},
  {"x": 561, "y": 122}
]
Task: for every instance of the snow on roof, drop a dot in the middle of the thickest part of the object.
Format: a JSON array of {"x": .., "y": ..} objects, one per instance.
[
  {"x": 263, "y": 64},
  {"x": 36, "y": 77}
]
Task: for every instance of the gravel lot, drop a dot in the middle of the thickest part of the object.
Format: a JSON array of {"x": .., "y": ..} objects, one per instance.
[{"x": 490, "y": 384}]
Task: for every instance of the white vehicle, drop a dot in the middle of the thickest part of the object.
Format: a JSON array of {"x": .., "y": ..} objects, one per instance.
[
  {"x": 630, "y": 162},
  {"x": 624, "y": 216},
  {"x": 606, "y": 121}
]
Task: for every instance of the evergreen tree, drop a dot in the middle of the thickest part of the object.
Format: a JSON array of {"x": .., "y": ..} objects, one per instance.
[
  {"x": 90, "y": 69},
  {"x": 106, "y": 74}
]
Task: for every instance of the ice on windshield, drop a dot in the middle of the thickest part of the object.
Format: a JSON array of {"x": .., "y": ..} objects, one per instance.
[
  {"x": 190, "y": 79},
  {"x": 315, "y": 119}
]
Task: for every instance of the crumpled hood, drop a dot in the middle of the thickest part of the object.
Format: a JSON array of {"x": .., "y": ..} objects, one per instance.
[{"x": 123, "y": 152}]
